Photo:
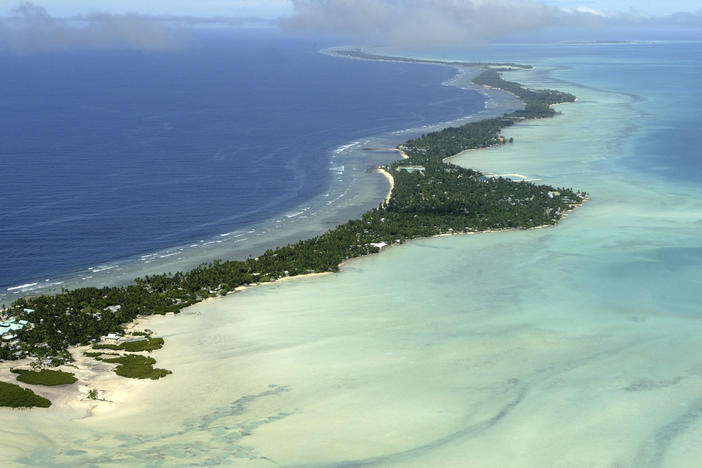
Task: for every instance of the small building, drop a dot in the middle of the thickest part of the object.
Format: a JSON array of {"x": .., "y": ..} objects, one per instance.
[
  {"x": 112, "y": 336},
  {"x": 379, "y": 245},
  {"x": 29, "y": 311},
  {"x": 9, "y": 327},
  {"x": 411, "y": 169},
  {"x": 114, "y": 308}
]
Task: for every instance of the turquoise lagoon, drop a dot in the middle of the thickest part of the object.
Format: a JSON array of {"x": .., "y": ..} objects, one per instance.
[{"x": 573, "y": 346}]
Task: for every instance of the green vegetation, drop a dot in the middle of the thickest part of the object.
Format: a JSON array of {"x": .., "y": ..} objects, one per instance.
[
  {"x": 104, "y": 346},
  {"x": 44, "y": 377},
  {"x": 136, "y": 366},
  {"x": 15, "y": 396},
  {"x": 100, "y": 354},
  {"x": 148, "y": 344},
  {"x": 432, "y": 198},
  {"x": 537, "y": 102}
]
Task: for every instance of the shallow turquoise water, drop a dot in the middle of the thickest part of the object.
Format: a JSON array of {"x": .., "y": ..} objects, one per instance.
[{"x": 575, "y": 346}]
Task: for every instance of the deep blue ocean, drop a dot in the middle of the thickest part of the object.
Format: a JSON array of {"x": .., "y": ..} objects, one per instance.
[{"x": 107, "y": 155}]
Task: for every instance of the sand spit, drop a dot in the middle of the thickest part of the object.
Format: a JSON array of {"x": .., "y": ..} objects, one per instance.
[
  {"x": 402, "y": 153},
  {"x": 396, "y": 150},
  {"x": 391, "y": 181},
  {"x": 74, "y": 398}
]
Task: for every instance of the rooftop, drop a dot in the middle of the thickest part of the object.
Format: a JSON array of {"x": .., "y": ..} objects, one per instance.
[{"x": 411, "y": 169}]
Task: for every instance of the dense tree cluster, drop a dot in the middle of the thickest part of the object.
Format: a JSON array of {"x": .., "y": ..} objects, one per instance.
[
  {"x": 430, "y": 197},
  {"x": 136, "y": 366},
  {"x": 44, "y": 377},
  {"x": 431, "y": 149},
  {"x": 15, "y": 396},
  {"x": 537, "y": 103},
  {"x": 464, "y": 201}
]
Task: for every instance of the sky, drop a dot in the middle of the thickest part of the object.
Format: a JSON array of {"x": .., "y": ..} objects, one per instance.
[
  {"x": 28, "y": 26},
  {"x": 652, "y": 7},
  {"x": 275, "y": 8}
]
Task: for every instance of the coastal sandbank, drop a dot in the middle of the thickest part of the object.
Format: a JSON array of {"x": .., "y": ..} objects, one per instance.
[{"x": 391, "y": 181}]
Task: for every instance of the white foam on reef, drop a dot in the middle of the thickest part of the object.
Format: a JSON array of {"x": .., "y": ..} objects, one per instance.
[
  {"x": 338, "y": 197},
  {"x": 22, "y": 286},
  {"x": 166, "y": 255},
  {"x": 346, "y": 147},
  {"x": 298, "y": 213},
  {"x": 233, "y": 234},
  {"x": 100, "y": 268}
]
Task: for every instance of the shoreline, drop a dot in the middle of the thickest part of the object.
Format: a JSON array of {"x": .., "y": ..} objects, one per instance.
[
  {"x": 391, "y": 181},
  {"x": 100, "y": 374},
  {"x": 260, "y": 236},
  {"x": 350, "y": 52},
  {"x": 401, "y": 151},
  {"x": 114, "y": 389}
]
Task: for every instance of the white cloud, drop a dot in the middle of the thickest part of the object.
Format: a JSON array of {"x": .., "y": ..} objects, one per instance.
[
  {"x": 32, "y": 29},
  {"x": 206, "y": 8},
  {"x": 589, "y": 10},
  {"x": 687, "y": 19},
  {"x": 431, "y": 22},
  {"x": 412, "y": 23},
  {"x": 457, "y": 23}
]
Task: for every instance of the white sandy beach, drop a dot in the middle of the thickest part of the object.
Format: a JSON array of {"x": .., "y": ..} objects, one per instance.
[{"x": 391, "y": 181}]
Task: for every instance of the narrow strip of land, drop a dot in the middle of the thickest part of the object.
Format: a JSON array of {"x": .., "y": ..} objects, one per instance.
[
  {"x": 428, "y": 196},
  {"x": 363, "y": 55}
]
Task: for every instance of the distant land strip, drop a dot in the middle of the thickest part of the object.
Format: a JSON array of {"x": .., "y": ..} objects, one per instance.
[{"x": 363, "y": 55}]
